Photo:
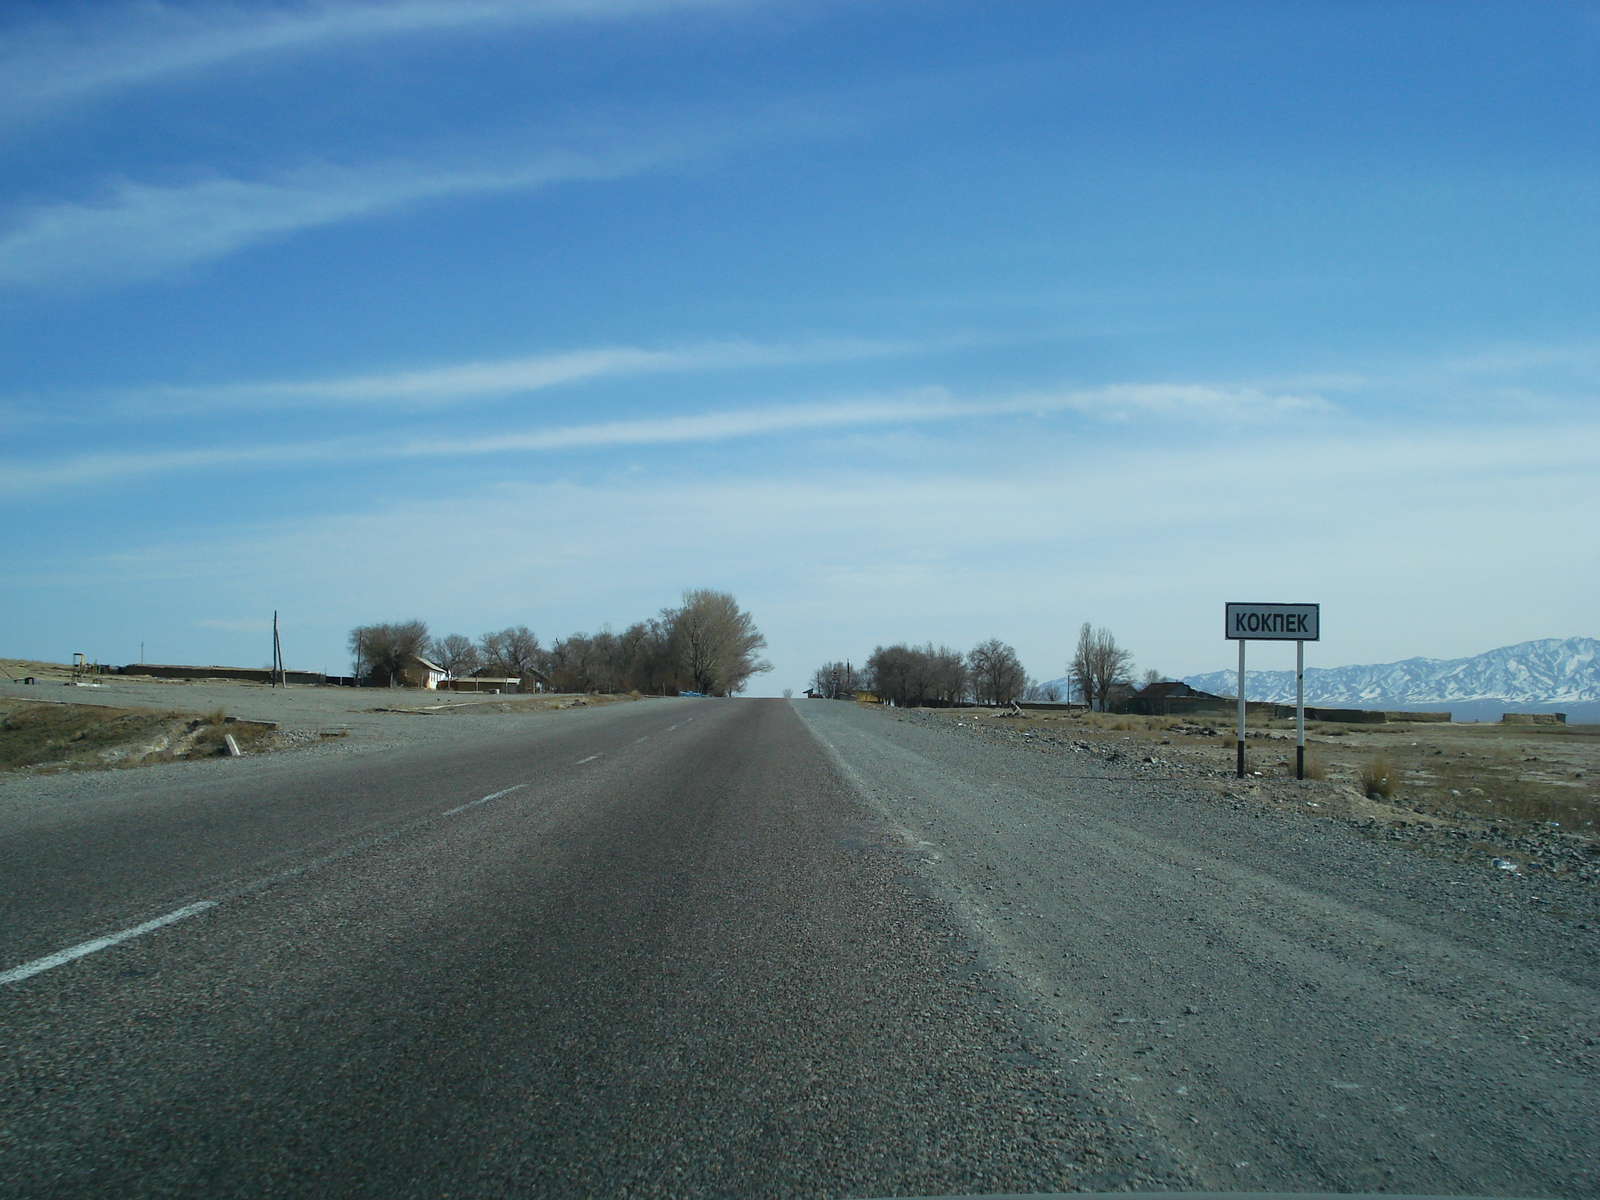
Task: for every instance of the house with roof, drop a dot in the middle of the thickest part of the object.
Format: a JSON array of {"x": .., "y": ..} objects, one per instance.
[
  {"x": 419, "y": 672},
  {"x": 1171, "y": 698}
]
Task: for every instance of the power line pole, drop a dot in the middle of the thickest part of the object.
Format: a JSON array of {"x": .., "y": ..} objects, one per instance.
[{"x": 278, "y": 679}]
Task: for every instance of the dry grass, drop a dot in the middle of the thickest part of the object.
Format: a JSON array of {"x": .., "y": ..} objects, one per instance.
[
  {"x": 51, "y": 736},
  {"x": 1379, "y": 778},
  {"x": 1503, "y": 784},
  {"x": 1121, "y": 723},
  {"x": 34, "y": 734}
]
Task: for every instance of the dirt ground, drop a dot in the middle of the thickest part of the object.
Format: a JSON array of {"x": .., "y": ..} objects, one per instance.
[
  {"x": 1523, "y": 797},
  {"x": 64, "y": 721}
]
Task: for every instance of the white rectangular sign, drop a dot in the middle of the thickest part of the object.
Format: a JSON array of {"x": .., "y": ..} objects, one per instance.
[{"x": 1273, "y": 622}]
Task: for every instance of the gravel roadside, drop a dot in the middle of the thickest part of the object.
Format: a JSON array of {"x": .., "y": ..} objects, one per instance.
[{"x": 1268, "y": 997}]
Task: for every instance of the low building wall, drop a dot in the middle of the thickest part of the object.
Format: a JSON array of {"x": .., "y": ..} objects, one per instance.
[
  {"x": 241, "y": 674},
  {"x": 1365, "y": 716},
  {"x": 1533, "y": 718},
  {"x": 480, "y": 685}
]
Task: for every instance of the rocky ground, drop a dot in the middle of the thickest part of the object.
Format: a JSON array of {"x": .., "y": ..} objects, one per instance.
[{"x": 1520, "y": 799}]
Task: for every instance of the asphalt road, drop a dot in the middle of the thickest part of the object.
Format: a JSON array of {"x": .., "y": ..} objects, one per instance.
[
  {"x": 650, "y": 949},
  {"x": 748, "y": 948}
]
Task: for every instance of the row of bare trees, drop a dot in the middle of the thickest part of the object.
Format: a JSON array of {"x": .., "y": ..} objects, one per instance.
[
  {"x": 708, "y": 644},
  {"x": 989, "y": 673}
]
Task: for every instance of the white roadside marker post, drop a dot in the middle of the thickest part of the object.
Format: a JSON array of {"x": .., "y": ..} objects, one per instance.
[
  {"x": 1299, "y": 708},
  {"x": 1241, "y": 708}
]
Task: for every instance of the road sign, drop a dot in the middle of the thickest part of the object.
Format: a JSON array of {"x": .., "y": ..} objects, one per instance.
[
  {"x": 1273, "y": 622},
  {"x": 1297, "y": 623}
]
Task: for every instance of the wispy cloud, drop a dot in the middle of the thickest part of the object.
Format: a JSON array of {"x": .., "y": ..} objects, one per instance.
[
  {"x": 463, "y": 382},
  {"x": 1125, "y": 401},
  {"x": 926, "y": 406},
  {"x": 613, "y": 547},
  {"x": 139, "y": 230},
  {"x": 235, "y": 626},
  {"x": 47, "y": 63}
]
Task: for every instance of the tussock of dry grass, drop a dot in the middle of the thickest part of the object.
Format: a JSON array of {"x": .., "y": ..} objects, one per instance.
[{"x": 1379, "y": 777}]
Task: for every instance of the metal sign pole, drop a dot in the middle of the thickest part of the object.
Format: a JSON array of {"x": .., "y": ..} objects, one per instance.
[
  {"x": 1299, "y": 709},
  {"x": 1241, "y": 708}
]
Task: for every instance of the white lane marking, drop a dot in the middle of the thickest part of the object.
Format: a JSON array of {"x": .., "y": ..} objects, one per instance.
[
  {"x": 670, "y": 728},
  {"x": 645, "y": 738},
  {"x": 450, "y": 812},
  {"x": 52, "y": 960},
  {"x": 581, "y": 761},
  {"x": 16, "y": 974}
]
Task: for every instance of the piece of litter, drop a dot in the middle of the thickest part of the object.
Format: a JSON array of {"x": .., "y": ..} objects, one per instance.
[{"x": 1505, "y": 864}]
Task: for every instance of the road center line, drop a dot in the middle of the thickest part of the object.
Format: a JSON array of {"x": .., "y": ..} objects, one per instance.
[
  {"x": 17, "y": 974},
  {"x": 581, "y": 761},
  {"x": 450, "y": 812}
]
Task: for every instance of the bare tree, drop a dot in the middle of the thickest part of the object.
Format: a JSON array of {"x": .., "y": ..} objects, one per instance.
[
  {"x": 1098, "y": 665},
  {"x": 382, "y": 652},
  {"x": 915, "y": 675},
  {"x": 947, "y": 674},
  {"x": 648, "y": 646},
  {"x": 512, "y": 653},
  {"x": 1049, "y": 690},
  {"x": 456, "y": 653},
  {"x": 1111, "y": 666},
  {"x": 1151, "y": 676},
  {"x": 717, "y": 643},
  {"x": 996, "y": 672},
  {"x": 1080, "y": 671},
  {"x": 890, "y": 675},
  {"x": 834, "y": 679}
]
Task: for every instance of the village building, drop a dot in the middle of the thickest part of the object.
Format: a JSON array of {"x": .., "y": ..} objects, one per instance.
[
  {"x": 1172, "y": 698},
  {"x": 419, "y": 672}
]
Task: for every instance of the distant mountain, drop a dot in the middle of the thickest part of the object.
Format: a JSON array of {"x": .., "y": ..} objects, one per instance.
[{"x": 1547, "y": 674}]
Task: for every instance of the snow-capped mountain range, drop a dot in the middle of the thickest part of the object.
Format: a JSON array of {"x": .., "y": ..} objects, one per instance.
[{"x": 1542, "y": 674}]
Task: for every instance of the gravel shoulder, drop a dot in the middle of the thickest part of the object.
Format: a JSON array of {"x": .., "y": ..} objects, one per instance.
[{"x": 1268, "y": 996}]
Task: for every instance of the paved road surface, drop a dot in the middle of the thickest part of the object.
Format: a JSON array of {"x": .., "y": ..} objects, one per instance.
[{"x": 746, "y": 948}]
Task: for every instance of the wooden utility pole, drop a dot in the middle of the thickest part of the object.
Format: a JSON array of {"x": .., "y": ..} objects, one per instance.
[{"x": 278, "y": 677}]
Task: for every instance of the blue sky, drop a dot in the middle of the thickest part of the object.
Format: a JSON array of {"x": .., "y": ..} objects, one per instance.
[{"x": 900, "y": 321}]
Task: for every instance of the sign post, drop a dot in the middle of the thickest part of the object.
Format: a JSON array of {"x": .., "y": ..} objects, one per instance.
[{"x": 1297, "y": 623}]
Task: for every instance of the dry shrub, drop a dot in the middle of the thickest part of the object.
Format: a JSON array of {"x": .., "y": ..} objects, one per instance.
[
  {"x": 1379, "y": 777},
  {"x": 33, "y": 734},
  {"x": 1316, "y": 767}
]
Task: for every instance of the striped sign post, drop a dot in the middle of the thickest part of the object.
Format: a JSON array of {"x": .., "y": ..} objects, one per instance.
[{"x": 1297, "y": 623}]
